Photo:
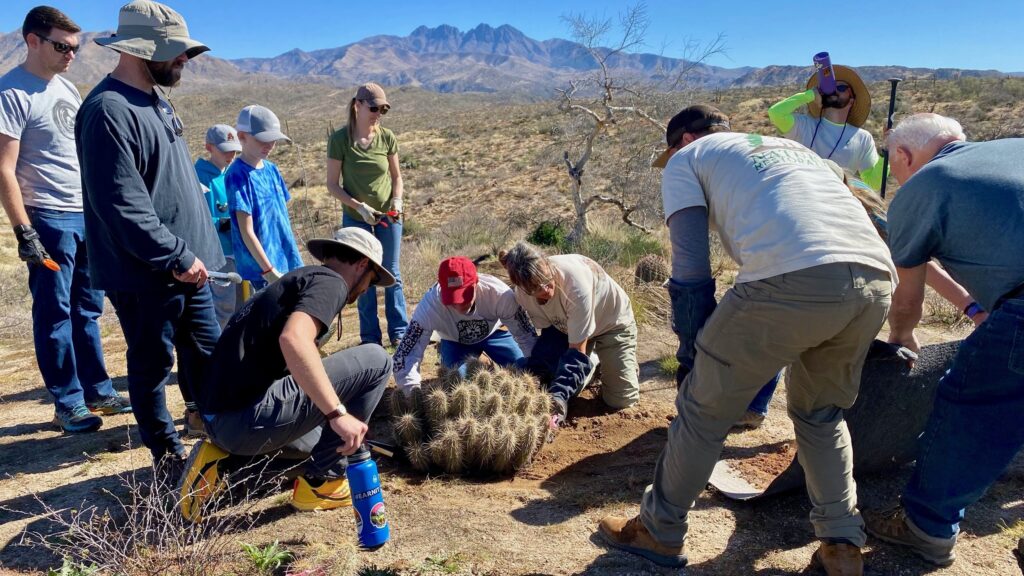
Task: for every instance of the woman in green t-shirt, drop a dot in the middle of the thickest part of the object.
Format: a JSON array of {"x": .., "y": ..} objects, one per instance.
[{"x": 362, "y": 172}]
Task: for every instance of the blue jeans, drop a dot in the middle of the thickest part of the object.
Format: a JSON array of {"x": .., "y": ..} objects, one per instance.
[
  {"x": 156, "y": 323},
  {"x": 499, "y": 346},
  {"x": 286, "y": 419},
  {"x": 760, "y": 402},
  {"x": 974, "y": 430},
  {"x": 390, "y": 237},
  {"x": 65, "y": 309}
]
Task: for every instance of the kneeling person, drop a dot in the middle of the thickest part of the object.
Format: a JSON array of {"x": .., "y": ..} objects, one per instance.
[
  {"x": 268, "y": 389},
  {"x": 467, "y": 310}
]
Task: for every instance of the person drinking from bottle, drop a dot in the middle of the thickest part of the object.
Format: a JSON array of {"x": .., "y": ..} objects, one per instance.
[
  {"x": 832, "y": 125},
  {"x": 363, "y": 172},
  {"x": 41, "y": 191},
  {"x": 261, "y": 231}
]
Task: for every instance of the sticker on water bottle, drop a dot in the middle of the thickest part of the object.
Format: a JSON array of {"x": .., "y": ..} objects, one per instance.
[
  {"x": 377, "y": 516},
  {"x": 359, "y": 521}
]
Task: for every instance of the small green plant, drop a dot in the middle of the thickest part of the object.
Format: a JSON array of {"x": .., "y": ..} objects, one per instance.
[
  {"x": 72, "y": 568},
  {"x": 374, "y": 571},
  {"x": 668, "y": 365},
  {"x": 445, "y": 563},
  {"x": 268, "y": 558},
  {"x": 548, "y": 233}
]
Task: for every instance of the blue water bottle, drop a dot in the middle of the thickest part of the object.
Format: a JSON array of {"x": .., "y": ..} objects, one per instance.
[{"x": 367, "y": 499}]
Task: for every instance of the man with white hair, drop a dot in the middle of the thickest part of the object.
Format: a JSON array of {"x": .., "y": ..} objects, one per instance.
[
  {"x": 149, "y": 235},
  {"x": 961, "y": 203}
]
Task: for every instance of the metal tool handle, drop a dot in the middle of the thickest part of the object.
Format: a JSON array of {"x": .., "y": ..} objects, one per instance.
[
  {"x": 888, "y": 124},
  {"x": 225, "y": 277}
]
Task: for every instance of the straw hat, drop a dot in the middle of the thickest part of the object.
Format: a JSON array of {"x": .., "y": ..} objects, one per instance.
[{"x": 862, "y": 98}]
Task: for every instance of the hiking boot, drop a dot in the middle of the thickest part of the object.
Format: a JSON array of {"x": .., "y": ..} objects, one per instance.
[
  {"x": 631, "y": 535},
  {"x": 839, "y": 559},
  {"x": 893, "y": 525},
  {"x": 327, "y": 494},
  {"x": 78, "y": 419},
  {"x": 110, "y": 405},
  {"x": 202, "y": 480},
  {"x": 194, "y": 426},
  {"x": 750, "y": 421}
]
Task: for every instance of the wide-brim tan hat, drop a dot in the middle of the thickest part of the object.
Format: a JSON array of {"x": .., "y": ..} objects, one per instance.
[
  {"x": 361, "y": 241},
  {"x": 152, "y": 31},
  {"x": 862, "y": 98}
]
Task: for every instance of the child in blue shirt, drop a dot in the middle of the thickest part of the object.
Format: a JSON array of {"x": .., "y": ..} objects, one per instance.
[
  {"x": 222, "y": 145},
  {"x": 261, "y": 230}
]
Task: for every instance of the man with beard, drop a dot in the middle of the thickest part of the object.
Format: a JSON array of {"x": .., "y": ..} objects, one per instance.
[
  {"x": 149, "y": 232},
  {"x": 832, "y": 125}
]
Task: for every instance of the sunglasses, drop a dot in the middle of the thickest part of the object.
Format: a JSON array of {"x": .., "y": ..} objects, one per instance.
[
  {"x": 164, "y": 110},
  {"x": 61, "y": 47},
  {"x": 842, "y": 88},
  {"x": 382, "y": 110}
]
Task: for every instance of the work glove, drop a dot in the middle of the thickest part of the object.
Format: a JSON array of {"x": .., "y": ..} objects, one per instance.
[
  {"x": 368, "y": 214},
  {"x": 30, "y": 248},
  {"x": 396, "y": 212},
  {"x": 224, "y": 224},
  {"x": 271, "y": 276},
  {"x": 692, "y": 305}
]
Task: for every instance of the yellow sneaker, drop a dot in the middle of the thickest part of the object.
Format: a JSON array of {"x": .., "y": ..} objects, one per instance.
[
  {"x": 327, "y": 496},
  {"x": 201, "y": 481}
]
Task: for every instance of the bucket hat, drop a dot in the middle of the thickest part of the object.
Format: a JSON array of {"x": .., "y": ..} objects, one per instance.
[
  {"x": 152, "y": 31},
  {"x": 862, "y": 98},
  {"x": 359, "y": 240}
]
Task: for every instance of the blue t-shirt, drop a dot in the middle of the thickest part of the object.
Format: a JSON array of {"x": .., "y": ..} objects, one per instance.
[
  {"x": 212, "y": 180},
  {"x": 262, "y": 194},
  {"x": 965, "y": 208}
]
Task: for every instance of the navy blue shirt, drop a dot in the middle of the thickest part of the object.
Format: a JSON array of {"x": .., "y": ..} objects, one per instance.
[
  {"x": 965, "y": 208},
  {"x": 145, "y": 215}
]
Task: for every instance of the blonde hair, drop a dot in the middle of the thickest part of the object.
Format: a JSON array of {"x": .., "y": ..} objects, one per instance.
[
  {"x": 870, "y": 200},
  {"x": 526, "y": 265}
]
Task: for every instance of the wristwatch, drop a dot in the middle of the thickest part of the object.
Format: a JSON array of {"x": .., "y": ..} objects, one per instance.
[
  {"x": 336, "y": 413},
  {"x": 973, "y": 309}
]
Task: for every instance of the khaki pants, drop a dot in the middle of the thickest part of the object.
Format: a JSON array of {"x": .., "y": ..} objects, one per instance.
[
  {"x": 821, "y": 321},
  {"x": 620, "y": 375}
]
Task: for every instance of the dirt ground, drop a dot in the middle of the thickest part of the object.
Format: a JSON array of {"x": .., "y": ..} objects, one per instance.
[{"x": 540, "y": 522}]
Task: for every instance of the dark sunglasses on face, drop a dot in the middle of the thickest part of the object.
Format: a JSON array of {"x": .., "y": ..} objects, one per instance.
[
  {"x": 61, "y": 47},
  {"x": 842, "y": 88},
  {"x": 382, "y": 110}
]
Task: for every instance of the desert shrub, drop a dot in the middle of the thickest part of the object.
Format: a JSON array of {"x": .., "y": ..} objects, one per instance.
[
  {"x": 549, "y": 233},
  {"x": 493, "y": 422},
  {"x": 267, "y": 559}
]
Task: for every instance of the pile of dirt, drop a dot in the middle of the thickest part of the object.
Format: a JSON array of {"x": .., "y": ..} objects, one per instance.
[{"x": 761, "y": 467}]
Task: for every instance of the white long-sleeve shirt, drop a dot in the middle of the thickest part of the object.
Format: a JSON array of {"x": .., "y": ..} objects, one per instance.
[{"x": 495, "y": 305}]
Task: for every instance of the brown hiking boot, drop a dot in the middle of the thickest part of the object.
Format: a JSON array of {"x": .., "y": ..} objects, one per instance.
[
  {"x": 839, "y": 559},
  {"x": 893, "y": 525},
  {"x": 631, "y": 535}
]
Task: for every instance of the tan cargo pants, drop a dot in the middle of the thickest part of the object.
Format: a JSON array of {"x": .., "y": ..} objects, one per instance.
[{"x": 819, "y": 320}]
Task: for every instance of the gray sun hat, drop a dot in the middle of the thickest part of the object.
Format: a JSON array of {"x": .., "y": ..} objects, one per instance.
[
  {"x": 224, "y": 138},
  {"x": 261, "y": 123},
  {"x": 359, "y": 240},
  {"x": 152, "y": 31}
]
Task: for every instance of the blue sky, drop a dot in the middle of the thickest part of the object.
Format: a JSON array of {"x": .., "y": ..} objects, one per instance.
[{"x": 940, "y": 33}]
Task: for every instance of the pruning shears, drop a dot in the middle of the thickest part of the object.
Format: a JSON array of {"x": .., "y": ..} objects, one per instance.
[{"x": 392, "y": 215}]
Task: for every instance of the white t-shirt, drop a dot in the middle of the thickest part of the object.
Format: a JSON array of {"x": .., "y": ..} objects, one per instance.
[
  {"x": 495, "y": 305},
  {"x": 587, "y": 301},
  {"x": 41, "y": 116},
  {"x": 777, "y": 205},
  {"x": 855, "y": 152}
]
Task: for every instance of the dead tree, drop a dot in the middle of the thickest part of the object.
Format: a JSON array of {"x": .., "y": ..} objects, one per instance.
[{"x": 610, "y": 95}]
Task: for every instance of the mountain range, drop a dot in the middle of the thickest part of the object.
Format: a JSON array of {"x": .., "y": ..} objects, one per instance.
[{"x": 446, "y": 59}]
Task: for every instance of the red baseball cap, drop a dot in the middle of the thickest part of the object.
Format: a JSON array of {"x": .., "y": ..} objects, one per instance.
[{"x": 456, "y": 276}]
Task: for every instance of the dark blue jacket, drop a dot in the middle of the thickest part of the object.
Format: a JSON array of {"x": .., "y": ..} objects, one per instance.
[{"x": 145, "y": 215}]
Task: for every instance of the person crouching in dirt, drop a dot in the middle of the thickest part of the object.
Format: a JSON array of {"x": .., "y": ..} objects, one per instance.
[
  {"x": 963, "y": 204},
  {"x": 579, "y": 309},
  {"x": 467, "y": 309},
  {"x": 268, "y": 390},
  {"x": 813, "y": 290}
]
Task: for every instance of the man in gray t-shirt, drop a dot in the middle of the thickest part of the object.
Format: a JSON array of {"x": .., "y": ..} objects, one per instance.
[
  {"x": 961, "y": 203},
  {"x": 41, "y": 191}
]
